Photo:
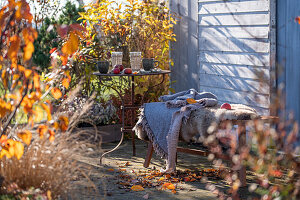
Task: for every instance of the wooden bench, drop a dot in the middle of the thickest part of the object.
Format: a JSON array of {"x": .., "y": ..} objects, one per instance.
[{"x": 241, "y": 142}]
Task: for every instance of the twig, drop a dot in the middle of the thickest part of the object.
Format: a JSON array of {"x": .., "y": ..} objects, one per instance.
[{"x": 14, "y": 112}]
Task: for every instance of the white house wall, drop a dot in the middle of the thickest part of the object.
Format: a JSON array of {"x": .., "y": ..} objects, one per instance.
[{"x": 234, "y": 51}]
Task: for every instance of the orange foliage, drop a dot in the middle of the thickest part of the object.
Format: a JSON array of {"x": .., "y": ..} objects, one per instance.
[{"x": 21, "y": 81}]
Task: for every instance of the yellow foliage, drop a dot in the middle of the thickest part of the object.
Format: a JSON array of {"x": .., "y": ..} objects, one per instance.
[
  {"x": 42, "y": 130},
  {"x": 5, "y": 108},
  {"x": 14, "y": 48},
  {"x": 71, "y": 45},
  {"x": 18, "y": 150},
  {"x": 25, "y": 136},
  {"x": 137, "y": 188},
  {"x": 56, "y": 93},
  {"x": 12, "y": 148}
]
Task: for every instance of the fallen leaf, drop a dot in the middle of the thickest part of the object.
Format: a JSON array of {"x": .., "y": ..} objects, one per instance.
[
  {"x": 186, "y": 179},
  {"x": 191, "y": 101},
  {"x": 127, "y": 163},
  {"x": 169, "y": 186},
  {"x": 111, "y": 170},
  {"x": 137, "y": 188},
  {"x": 161, "y": 179},
  {"x": 174, "y": 191},
  {"x": 176, "y": 180}
]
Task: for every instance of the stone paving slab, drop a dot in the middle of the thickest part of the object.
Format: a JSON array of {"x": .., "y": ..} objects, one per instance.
[{"x": 107, "y": 179}]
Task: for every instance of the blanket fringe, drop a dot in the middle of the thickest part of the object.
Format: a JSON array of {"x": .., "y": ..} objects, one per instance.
[{"x": 143, "y": 123}]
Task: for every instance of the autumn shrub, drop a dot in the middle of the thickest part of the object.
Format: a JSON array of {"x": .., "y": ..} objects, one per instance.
[
  {"x": 40, "y": 153},
  {"x": 271, "y": 156},
  {"x": 48, "y": 38},
  {"x": 132, "y": 25}
]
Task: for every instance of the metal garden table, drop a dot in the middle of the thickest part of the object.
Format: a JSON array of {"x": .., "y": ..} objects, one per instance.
[{"x": 104, "y": 80}]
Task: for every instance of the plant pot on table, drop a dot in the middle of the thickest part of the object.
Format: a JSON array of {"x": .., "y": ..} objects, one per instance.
[{"x": 103, "y": 66}]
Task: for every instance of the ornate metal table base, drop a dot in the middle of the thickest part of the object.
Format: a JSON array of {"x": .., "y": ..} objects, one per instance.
[{"x": 104, "y": 78}]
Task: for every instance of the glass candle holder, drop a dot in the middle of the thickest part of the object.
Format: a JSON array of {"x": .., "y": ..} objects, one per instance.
[
  {"x": 135, "y": 60},
  {"x": 116, "y": 58}
]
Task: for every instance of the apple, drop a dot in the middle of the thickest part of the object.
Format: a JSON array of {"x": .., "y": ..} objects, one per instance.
[
  {"x": 116, "y": 71},
  {"x": 226, "y": 106},
  {"x": 121, "y": 67},
  {"x": 127, "y": 71}
]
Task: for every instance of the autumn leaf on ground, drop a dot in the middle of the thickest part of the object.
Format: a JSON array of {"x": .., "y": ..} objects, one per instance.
[
  {"x": 111, "y": 170},
  {"x": 161, "y": 179},
  {"x": 187, "y": 179},
  {"x": 169, "y": 186},
  {"x": 137, "y": 188},
  {"x": 167, "y": 176}
]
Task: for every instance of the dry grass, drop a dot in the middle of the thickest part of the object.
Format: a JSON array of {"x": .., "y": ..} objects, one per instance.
[
  {"x": 48, "y": 166},
  {"x": 52, "y": 165}
]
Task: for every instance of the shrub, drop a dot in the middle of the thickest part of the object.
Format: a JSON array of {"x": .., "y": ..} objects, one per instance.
[
  {"x": 132, "y": 25},
  {"x": 48, "y": 38}
]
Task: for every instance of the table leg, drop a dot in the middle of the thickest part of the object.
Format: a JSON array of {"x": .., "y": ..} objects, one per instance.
[
  {"x": 132, "y": 115},
  {"x": 122, "y": 137},
  {"x": 149, "y": 154}
]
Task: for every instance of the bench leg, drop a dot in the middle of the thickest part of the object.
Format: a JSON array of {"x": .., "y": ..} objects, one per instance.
[
  {"x": 242, "y": 143},
  {"x": 149, "y": 154}
]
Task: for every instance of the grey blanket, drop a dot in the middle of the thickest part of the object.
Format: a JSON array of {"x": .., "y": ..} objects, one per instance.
[{"x": 162, "y": 120}]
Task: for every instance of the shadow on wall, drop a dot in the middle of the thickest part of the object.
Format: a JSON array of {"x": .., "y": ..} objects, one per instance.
[{"x": 224, "y": 48}]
